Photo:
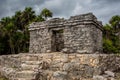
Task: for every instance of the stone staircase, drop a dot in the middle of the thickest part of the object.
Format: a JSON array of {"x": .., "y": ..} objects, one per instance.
[
  {"x": 27, "y": 73},
  {"x": 59, "y": 66},
  {"x": 27, "y": 70}
]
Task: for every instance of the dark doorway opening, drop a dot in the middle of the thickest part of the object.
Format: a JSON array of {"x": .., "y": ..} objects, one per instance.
[{"x": 57, "y": 40}]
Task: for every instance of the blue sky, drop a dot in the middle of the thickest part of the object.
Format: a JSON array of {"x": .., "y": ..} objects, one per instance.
[{"x": 103, "y": 9}]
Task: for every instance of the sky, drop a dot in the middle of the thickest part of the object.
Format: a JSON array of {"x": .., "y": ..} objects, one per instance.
[{"x": 102, "y": 9}]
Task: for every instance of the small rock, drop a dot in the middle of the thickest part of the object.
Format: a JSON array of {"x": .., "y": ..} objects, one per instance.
[
  {"x": 110, "y": 78},
  {"x": 48, "y": 51},
  {"x": 105, "y": 75},
  {"x": 67, "y": 66},
  {"x": 97, "y": 77},
  {"x": 109, "y": 73},
  {"x": 60, "y": 74},
  {"x": 81, "y": 51},
  {"x": 65, "y": 50}
]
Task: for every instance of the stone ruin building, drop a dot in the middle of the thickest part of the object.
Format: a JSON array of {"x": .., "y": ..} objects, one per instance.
[{"x": 81, "y": 34}]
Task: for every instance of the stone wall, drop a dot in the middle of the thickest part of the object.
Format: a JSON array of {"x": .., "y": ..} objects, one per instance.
[
  {"x": 59, "y": 66},
  {"x": 39, "y": 41},
  {"x": 81, "y": 33},
  {"x": 10, "y": 60}
]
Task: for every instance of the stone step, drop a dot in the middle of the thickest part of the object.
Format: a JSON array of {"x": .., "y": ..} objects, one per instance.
[
  {"x": 26, "y": 74},
  {"x": 23, "y": 79},
  {"x": 32, "y": 62},
  {"x": 29, "y": 58},
  {"x": 29, "y": 67}
]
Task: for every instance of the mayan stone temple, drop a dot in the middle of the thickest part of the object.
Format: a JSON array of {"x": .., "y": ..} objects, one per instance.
[
  {"x": 81, "y": 34},
  {"x": 63, "y": 49}
]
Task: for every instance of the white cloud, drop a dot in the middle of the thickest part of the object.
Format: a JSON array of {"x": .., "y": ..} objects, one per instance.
[
  {"x": 103, "y": 9},
  {"x": 77, "y": 9}
]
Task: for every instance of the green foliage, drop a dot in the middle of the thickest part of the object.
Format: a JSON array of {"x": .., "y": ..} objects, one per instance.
[
  {"x": 14, "y": 33},
  {"x": 111, "y": 41},
  {"x": 108, "y": 46},
  {"x": 45, "y": 13},
  {"x": 39, "y": 19}
]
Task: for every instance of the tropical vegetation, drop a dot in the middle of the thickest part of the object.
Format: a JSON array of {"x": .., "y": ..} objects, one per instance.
[
  {"x": 14, "y": 34},
  {"x": 111, "y": 35}
]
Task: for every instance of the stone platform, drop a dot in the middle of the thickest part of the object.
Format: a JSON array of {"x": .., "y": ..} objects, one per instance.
[{"x": 60, "y": 66}]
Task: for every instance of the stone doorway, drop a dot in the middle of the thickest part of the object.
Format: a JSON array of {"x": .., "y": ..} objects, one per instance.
[{"x": 57, "y": 40}]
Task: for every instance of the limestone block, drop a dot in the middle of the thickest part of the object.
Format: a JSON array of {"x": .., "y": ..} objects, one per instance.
[
  {"x": 60, "y": 75},
  {"x": 109, "y": 73}
]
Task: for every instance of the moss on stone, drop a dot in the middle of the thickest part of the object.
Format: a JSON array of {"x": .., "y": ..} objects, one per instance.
[{"x": 3, "y": 78}]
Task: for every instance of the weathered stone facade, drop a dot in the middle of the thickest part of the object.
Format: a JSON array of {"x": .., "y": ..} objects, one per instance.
[{"x": 80, "y": 34}]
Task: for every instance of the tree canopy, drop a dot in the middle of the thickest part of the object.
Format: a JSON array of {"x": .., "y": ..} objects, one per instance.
[
  {"x": 45, "y": 13},
  {"x": 14, "y": 34},
  {"x": 111, "y": 35}
]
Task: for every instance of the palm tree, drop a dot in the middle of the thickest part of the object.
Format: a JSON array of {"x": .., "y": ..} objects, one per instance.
[
  {"x": 39, "y": 18},
  {"x": 14, "y": 33},
  {"x": 9, "y": 31},
  {"x": 115, "y": 23},
  {"x": 45, "y": 13},
  {"x": 28, "y": 16}
]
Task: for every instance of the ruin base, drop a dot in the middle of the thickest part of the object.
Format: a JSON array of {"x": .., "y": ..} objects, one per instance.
[{"x": 60, "y": 66}]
